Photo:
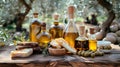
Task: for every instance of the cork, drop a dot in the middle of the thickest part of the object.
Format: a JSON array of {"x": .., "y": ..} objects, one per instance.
[
  {"x": 82, "y": 30},
  {"x": 56, "y": 16},
  {"x": 35, "y": 13},
  {"x": 92, "y": 30},
  {"x": 43, "y": 24},
  {"x": 71, "y": 10}
]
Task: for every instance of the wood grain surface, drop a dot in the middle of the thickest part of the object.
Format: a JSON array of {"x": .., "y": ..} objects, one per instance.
[{"x": 38, "y": 60}]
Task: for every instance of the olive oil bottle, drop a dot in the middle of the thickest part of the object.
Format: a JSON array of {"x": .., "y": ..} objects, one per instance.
[
  {"x": 92, "y": 40},
  {"x": 71, "y": 32},
  {"x": 34, "y": 28},
  {"x": 56, "y": 30},
  {"x": 44, "y": 37},
  {"x": 82, "y": 43}
]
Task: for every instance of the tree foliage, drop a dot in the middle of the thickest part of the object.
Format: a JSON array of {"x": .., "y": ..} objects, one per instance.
[{"x": 9, "y": 8}]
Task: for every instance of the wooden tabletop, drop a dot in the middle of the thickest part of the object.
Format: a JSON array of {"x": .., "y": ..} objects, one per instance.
[{"x": 113, "y": 57}]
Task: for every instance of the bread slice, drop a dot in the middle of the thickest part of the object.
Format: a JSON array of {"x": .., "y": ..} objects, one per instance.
[
  {"x": 21, "y": 53},
  {"x": 28, "y": 44},
  {"x": 36, "y": 50}
]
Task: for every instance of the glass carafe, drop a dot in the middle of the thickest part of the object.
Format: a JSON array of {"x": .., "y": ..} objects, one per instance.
[
  {"x": 71, "y": 32},
  {"x": 35, "y": 27}
]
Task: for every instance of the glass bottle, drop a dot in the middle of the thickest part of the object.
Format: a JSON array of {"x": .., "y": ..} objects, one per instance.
[
  {"x": 34, "y": 28},
  {"x": 82, "y": 43},
  {"x": 70, "y": 32},
  {"x": 56, "y": 30},
  {"x": 92, "y": 40},
  {"x": 44, "y": 37}
]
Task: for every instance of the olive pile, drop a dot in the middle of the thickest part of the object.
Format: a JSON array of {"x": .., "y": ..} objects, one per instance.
[
  {"x": 90, "y": 53},
  {"x": 106, "y": 47}
]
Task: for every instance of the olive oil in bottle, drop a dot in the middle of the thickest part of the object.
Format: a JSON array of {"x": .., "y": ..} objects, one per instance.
[
  {"x": 44, "y": 37},
  {"x": 56, "y": 30},
  {"x": 70, "y": 32},
  {"x": 92, "y": 40},
  {"x": 34, "y": 28},
  {"x": 82, "y": 43}
]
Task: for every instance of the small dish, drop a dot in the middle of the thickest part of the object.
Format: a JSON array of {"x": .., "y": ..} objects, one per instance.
[
  {"x": 103, "y": 43},
  {"x": 57, "y": 52},
  {"x": 105, "y": 51}
]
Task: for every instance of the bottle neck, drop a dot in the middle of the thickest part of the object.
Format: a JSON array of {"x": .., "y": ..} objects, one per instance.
[
  {"x": 43, "y": 29},
  {"x": 71, "y": 20},
  {"x": 35, "y": 16},
  {"x": 56, "y": 22},
  {"x": 92, "y": 37},
  {"x": 82, "y": 33}
]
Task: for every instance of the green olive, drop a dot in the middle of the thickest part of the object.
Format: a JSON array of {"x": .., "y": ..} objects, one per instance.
[
  {"x": 97, "y": 53},
  {"x": 86, "y": 54},
  {"x": 101, "y": 53},
  {"x": 82, "y": 53},
  {"x": 105, "y": 47},
  {"x": 93, "y": 55},
  {"x": 109, "y": 47},
  {"x": 79, "y": 53},
  {"x": 101, "y": 47},
  {"x": 89, "y": 50}
]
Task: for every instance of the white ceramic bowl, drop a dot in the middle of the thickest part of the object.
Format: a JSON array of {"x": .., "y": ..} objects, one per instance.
[{"x": 103, "y": 43}]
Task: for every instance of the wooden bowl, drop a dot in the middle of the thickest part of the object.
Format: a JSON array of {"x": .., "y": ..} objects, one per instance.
[{"x": 57, "y": 52}]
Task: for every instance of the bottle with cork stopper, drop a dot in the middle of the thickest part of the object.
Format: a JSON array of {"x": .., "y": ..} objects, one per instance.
[
  {"x": 44, "y": 37},
  {"x": 35, "y": 27},
  {"x": 56, "y": 30},
  {"x": 81, "y": 43},
  {"x": 71, "y": 32},
  {"x": 92, "y": 40}
]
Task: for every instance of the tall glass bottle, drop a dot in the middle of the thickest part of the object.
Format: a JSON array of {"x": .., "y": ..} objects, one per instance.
[
  {"x": 92, "y": 40},
  {"x": 44, "y": 37},
  {"x": 34, "y": 27},
  {"x": 82, "y": 43},
  {"x": 70, "y": 32},
  {"x": 56, "y": 30}
]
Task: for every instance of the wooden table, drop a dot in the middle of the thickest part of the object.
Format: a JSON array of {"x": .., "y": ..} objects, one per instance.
[{"x": 108, "y": 60}]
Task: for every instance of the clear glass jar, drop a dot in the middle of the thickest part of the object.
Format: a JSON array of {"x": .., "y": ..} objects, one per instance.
[
  {"x": 92, "y": 40},
  {"x": 82, "y": 43},
  {"x": 71, "y": 32}
]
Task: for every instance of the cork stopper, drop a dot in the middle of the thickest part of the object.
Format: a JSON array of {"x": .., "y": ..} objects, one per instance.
[
  {"x": 43, "y": 24},
  {"x": 92, "y": 30},
  {"x": 71, "y": 10},
  {"x": 35, "y": 13},
  {"x": 82, "y": 30},
  {"x": 56, "y": 16}
]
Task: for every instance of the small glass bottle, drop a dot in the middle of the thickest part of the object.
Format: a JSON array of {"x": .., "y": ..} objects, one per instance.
[
  {"x": 44, "y": 37},
  {"x": 34, "y": 28},
  {"x": 92, "y": 40},
  {"x": 56, "y": 30},
  {"x": 82, "y": 43},
  {"x": 71, "y": 32}
]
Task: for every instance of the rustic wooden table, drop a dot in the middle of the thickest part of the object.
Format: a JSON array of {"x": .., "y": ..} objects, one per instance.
[{"x": 108, "y": 60}]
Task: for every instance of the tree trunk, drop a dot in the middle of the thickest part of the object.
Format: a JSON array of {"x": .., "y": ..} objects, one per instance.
[
  {"x": 107, "y": 23},
  {"x": 21, "y": 16}
]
